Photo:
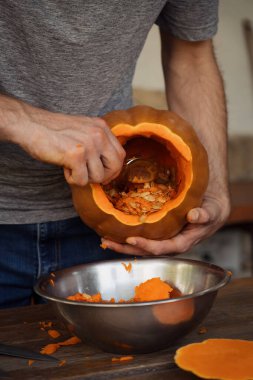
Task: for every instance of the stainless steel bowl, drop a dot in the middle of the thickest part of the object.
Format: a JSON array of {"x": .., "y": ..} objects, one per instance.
[{"x": 139, "y": 327}]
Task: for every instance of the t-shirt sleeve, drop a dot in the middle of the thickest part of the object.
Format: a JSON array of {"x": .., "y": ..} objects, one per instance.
[{"x": 191, "y": 20}]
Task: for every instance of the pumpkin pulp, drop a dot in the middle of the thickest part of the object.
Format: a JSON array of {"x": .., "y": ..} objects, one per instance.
[
  {"x": 157, "y": 142},
  {"x": 153, "y": 289}
]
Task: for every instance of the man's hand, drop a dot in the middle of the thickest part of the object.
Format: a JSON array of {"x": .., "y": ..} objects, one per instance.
[
  {"x": 83, "y": 146},
  {"x": 202, "y": 223}
]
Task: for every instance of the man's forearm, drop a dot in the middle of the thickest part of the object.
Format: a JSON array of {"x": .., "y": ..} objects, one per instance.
[
  {"x": 195, "y": 91},
  {"x": 76, "y": 143},
  {"x": 19, "y": 119},
  {"x": 12, "y": 114}
]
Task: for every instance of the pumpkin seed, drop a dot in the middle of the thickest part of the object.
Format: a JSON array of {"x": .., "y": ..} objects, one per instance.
[
  {"x": 162, "y": 200},
  {"x": 112, "y": 192},
  {"x": 143, "y": 195},
  {"x": 133, "y": 195},
  {"x": 157, "y": 206},
  {"x": 149, "y": 198},
  {"x": 142, "y": 218}
]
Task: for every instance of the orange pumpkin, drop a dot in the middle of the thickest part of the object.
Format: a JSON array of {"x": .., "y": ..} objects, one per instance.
[
  {"x": 148, "y": 133},
  {"x": 225, "y": 359}
]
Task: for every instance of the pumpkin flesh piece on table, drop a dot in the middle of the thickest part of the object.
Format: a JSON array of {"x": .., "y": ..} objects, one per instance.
[
  {"x": 224, "y": 359},
  {"x": 50, "y": 348}
]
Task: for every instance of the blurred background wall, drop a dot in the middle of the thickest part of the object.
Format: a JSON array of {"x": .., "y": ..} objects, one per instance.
[
  {"x": 234, "y": 62},
  {"x": 233, "y": 58}
]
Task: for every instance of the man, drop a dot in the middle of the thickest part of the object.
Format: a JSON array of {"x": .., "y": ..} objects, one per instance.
[{"x": 62, "y": 65}]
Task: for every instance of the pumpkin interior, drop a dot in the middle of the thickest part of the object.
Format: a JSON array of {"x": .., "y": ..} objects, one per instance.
[{"x": 159, "y": 143}]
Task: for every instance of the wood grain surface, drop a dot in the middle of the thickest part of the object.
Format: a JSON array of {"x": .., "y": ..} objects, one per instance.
[{"x": 231, "y": 317}]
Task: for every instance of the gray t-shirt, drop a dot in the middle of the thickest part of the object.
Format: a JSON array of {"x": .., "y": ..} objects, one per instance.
[{"x": 76, "y": 57}]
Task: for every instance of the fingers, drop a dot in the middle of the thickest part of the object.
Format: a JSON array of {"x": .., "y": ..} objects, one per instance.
[
  {"x": 76, "y": 177},
  {"x": 113, "y": 154},
  {"x": 164, "y": 247},
  {"x": 181, "y": 243},
  {"x": 103, "y": 168},
  {"x": 112, "y": 168},
  {"x": 97, "y": 156},
  {"x": 84, "y": 146},
  {"x": 210, "y": 212},
  {"x": 75, "y": 170},
  {"x": 198, "y": 216},
  {"x": 105, "y": 156},
  {"x": 124, "y": 248},
  {"x": 95, "y": 169},
  {"x": 113, "y": 139},
  {"x": 80, "y": 171},
  {"x": 145, "y": 247},
  {"x": 203, "y": 222}
]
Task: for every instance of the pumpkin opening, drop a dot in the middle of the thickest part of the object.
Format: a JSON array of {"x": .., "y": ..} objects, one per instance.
[
  {"x": 168, "y": 139},
  {"x": 148, "y": 201}
]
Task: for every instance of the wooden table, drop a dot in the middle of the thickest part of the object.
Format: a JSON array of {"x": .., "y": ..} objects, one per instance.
[{"x": 231, "y": 317}]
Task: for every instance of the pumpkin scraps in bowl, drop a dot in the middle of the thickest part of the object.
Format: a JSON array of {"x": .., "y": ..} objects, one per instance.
[
  {"x": 128, "y": 267},
  {"x": 224, "y": 359},
  {"x": 151, "y": 290}
]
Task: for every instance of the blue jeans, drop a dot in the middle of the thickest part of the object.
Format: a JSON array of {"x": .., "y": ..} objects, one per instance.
[{"x": 28, "y": 251}]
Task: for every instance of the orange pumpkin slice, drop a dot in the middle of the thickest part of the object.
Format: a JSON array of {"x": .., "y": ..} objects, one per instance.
[{"x": 224, "y": 359}]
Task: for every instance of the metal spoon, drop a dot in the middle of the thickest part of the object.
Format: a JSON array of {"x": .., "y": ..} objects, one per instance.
[{"x": 137, "y": 170}]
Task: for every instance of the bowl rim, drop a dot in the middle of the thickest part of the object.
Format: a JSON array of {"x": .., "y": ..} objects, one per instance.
[{"x": 226, "y": 278}]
